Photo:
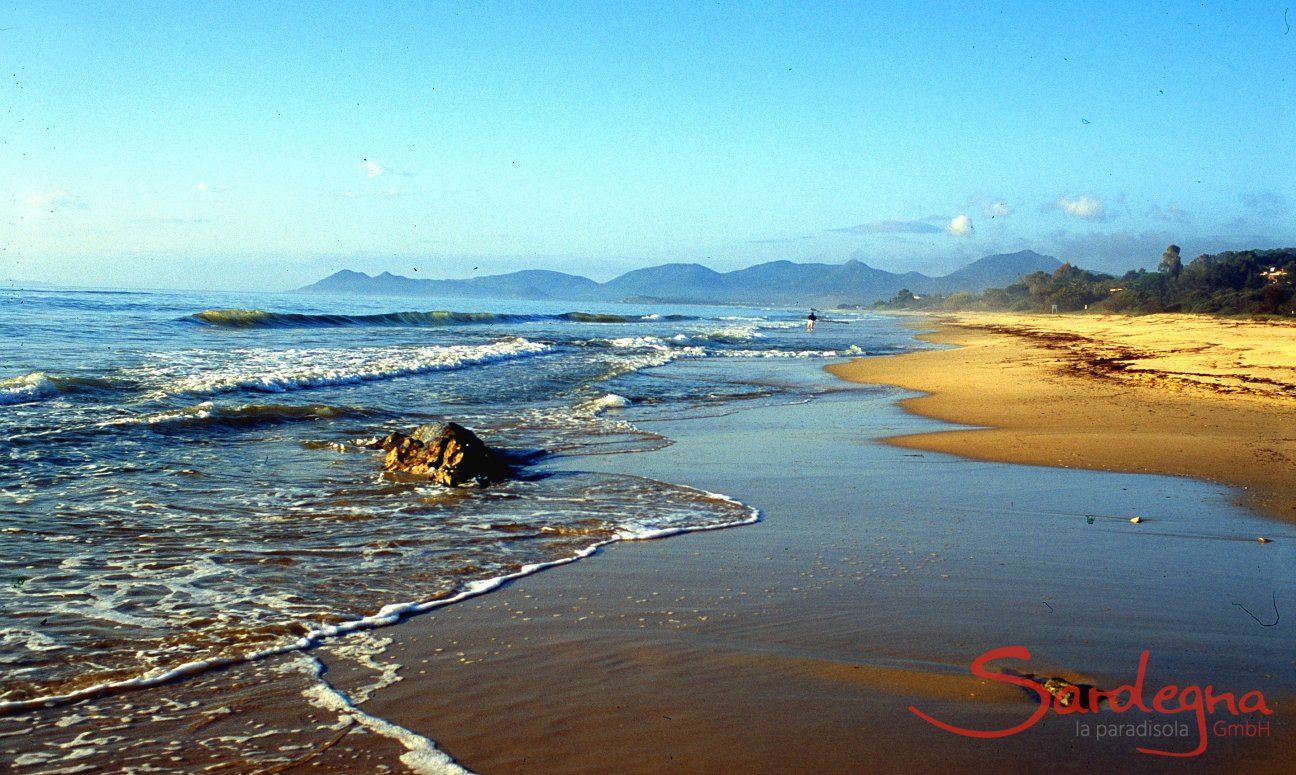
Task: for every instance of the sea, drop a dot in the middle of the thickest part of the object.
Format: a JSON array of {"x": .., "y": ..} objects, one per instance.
[{"x": 187, "y": 486}]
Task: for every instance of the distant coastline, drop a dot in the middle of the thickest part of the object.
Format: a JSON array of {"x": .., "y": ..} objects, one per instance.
[{"x": 782, "y": 283}]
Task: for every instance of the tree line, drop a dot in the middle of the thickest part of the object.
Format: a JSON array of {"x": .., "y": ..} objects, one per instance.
[{"x": 1242, "y": 282}]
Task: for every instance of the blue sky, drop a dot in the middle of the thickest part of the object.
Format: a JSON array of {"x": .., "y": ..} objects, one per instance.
[{"x": 220, "y": 146}]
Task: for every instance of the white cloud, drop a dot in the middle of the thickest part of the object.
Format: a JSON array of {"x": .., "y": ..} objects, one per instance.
[
  {"x": 1087, "y": 207},
  {"x": 996, "y": 209},
  {"x": 959, "y": 226},
  {"x": 371, "y": 169}
]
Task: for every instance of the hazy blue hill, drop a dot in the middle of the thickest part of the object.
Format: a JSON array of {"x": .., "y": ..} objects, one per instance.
[
  {"x": 344, "y": 281},
  {"x": 778, "y": 282},
  {"x": 854, "y": 280},
  {"x": 775, "y": 282},
  {"x": 535, "y": 284},
  {"x": 997, "y": 271},
  {"x": 667, "y": 281}
]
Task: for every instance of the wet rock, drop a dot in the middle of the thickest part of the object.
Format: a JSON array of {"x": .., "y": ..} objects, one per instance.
[
  {"x": 1065, "y": 693},
  {"x": 1062, "y": 690},
  {"x": 448, "y": 454}
]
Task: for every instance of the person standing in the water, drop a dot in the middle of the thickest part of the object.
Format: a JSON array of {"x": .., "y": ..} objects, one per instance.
[{"x": 810, "y": 321}]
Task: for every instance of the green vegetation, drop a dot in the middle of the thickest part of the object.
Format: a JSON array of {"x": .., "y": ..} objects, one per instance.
[{"x": 1246, "y": 282}]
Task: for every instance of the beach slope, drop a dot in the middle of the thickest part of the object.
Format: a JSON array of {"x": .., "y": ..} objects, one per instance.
[{"x": 1184, "y": 395}]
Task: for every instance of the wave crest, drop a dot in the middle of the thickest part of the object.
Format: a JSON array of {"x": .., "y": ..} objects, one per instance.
[
  {"x": 28, "y": 387},
  {"x": 300, "y": 369},
  {"x": 257, "y": 318}
]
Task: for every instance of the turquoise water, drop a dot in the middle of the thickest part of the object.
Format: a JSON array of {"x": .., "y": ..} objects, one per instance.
[{"x": 184, "y": 479}]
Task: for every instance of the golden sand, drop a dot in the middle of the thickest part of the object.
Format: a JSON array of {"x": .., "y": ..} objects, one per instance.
[{"x": 1184, "y": 395}]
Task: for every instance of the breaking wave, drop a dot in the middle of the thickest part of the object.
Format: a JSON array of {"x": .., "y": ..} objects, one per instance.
[
  {"x": 39, "y": 385},
  {"x": 28, "y": 387},
  {"x": 256, "y": 318},
  {"x": 269, "y": 371}
]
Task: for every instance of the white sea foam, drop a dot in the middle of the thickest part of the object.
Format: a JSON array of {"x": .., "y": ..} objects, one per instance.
[
  {"x": 278, "y": 371},
  {"x": 637, "y": 342},
  {"x": 778, "y": 353},
  {"x": 200, "y": 411},
  {"x": 387, "y": 615},
  {"x": 603, "y": 403},
  {"x": 732, "y": 334},
  {"x": 421, "y": 754},
  {"x": 28, "y": 387}
]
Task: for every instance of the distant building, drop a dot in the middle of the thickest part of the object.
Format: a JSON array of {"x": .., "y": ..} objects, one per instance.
[{"x": 1274, "y": 275}]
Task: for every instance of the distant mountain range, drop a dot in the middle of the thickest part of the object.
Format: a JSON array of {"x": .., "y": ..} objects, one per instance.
[{"x": 777, "y": 282}]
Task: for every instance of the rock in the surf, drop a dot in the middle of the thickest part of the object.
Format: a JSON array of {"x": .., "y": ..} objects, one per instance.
[
  {"x": 1064, "y": 692},
  {"x": 449, "y": 454}
]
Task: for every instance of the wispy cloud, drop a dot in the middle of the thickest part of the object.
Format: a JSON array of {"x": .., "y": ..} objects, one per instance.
[
  {"x": 55, "y": 200},
  {"x": 1265, "y": 204},
  {"x": 1084, "y": 207},
  {"x": 890, "y": 227},
  {"x": 996, "y": 209},
  {"x": 373, "y": 168},
  {"x": 1171, "y": 213},
  {"x": 959, "y": 226}
]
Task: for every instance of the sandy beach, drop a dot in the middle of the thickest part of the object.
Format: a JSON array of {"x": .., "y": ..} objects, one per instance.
[
  {"x": 876, "y": 576},
  {"x": 883, "y": 566},
  {"x": 1186, "y": 395}
]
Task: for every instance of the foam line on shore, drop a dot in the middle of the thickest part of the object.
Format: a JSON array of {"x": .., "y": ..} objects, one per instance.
[
  {"x": 386, "y": 616},
  {"x": 421, "y": 754}
]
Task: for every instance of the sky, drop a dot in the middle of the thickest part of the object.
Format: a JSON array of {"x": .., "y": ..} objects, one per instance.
[{"x": 261, "y": 146}]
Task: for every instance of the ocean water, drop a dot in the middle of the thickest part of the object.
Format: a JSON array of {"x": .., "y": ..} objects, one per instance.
[{"x": 184, "y": 482}]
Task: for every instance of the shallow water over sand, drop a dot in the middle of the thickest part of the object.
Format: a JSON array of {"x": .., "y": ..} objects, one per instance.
[{"x": 183, "y": 490}]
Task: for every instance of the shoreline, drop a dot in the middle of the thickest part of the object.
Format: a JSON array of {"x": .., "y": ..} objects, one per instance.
[
  {"x": 804, "y": 641},
  {"x": 1180, "y": 395},
  {"x": 800, "y": 642}
]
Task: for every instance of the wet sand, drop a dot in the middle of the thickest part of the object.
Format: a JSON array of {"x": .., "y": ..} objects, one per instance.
[
  {"x": 1185, "y": 395},
  {"x": 876, "y": 576}
]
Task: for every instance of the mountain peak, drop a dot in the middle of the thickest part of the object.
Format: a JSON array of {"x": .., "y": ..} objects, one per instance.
[{"x": 773, "y": 282}]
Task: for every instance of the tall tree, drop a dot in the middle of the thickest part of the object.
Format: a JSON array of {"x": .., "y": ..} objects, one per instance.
[{"x": 1170, "y": 261}]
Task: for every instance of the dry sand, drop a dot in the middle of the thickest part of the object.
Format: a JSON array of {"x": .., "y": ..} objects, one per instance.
[{"x": 1184, "y": 395}]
